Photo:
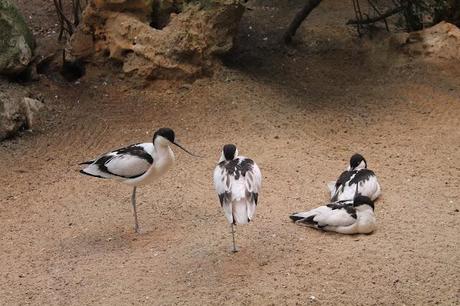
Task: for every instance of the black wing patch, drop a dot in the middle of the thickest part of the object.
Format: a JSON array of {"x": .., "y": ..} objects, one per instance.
[
  {"x": 252, "y": 196},
  {"x": 102, "y": 161},
  {"x": 223, "y": 197},
  {"x": 86, "y": 173},
  {"x": 309, "y": 220},
  {"x": 351, "y": 177},
  {"x": 351, "y": 211},
  {"x": 87, "y": 162},
  {"x": 237, "y": 167},
  {"x": 295, "y": 218},
  {"x": 344, "y": 177},
  {"x": 349, "y": 208},
  {"x": 362, "y": 176},
  {"x": 134, "y": 150},
  {"x": 341, "y": 182},
  {"x": 338, "y": 205}
]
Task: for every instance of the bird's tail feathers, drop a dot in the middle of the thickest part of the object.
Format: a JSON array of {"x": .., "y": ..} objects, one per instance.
[
  {"x": 87, "y": 162},
  {"x": 308, "y": 221},
  {"x": 295, "y": 217},
  {"x": 240, "y": 212},
  {"x": 90, "y": 174},
  {"x": 304, "y": 218}
]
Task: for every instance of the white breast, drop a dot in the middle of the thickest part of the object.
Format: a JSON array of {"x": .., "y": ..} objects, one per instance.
[{"x": 163, "y": 160}]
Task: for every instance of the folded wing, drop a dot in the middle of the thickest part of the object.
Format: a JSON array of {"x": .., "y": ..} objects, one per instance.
[
  {"x": 126, "y": 163},
  {"x": 238, "y": 182},
  {"x": 331, "y": 215}
]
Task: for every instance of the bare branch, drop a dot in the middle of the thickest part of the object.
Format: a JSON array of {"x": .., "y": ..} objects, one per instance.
[
  {"x": 66, "y": 26},
  {"x": 298, "y": 19},
  {"x": 377, "y": 18}
]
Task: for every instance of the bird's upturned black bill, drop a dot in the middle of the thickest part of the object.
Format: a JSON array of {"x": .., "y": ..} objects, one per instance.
[{"x": 180, "y": 146}]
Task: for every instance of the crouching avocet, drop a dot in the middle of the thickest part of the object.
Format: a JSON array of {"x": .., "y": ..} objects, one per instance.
[
  {"x": 237, "y": 180},
  {"x": 346, "y": 217},
  {"x": 136, "y": 164},
  {"x": 357, "y": 175}
]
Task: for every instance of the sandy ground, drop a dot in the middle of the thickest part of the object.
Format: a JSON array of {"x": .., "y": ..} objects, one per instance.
[{"x": 300, "y": 112}]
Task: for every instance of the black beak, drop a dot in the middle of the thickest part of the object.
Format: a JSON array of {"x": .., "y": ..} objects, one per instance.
[{"x": 178, "y": 144}]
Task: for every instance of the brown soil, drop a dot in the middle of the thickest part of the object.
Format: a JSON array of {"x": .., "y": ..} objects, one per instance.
[{"x": 300, "y": 112}]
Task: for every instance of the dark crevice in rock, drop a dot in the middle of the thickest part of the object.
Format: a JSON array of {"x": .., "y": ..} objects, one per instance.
[
  {"x": 161, "y": 14},
  {"x": 72, "y": 70}
]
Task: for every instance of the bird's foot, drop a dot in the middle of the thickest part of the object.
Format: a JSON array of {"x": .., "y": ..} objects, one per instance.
[{"x": 234, "y": 249}]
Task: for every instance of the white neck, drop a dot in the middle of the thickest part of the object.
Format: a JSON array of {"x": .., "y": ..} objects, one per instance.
[{"x": 164, "y": 155}]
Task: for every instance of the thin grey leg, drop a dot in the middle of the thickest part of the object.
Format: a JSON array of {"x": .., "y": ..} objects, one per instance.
[
  {"x": 233, "y": 235},
  {"x": 133, "y": 201}
]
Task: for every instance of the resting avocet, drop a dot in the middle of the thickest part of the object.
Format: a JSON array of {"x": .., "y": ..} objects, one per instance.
[
  {"x": 237, "y": 180},
  {"x": 346, "y": 217},
  {"x": 137, "y": 164},
  {"x": 357, "y": 175}
]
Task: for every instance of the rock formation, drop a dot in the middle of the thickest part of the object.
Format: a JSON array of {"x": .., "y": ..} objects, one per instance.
[
  {"x": 17, "y": 110},
  {"x": 152, "y": 39},
  {"x": 16, "y": 41},
  {"x": 439, "y": 42}
]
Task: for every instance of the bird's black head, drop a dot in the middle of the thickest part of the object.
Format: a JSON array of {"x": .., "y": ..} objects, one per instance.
[
  {"x": 166, "y": 133},
  {"x": 229, "y": 151},
  {"x": 356, "y": 160},
  {"x": 363, "y": 200}
]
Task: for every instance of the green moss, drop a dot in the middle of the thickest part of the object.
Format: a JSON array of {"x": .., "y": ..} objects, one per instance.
[
  {"x": 16, "y": 40},
  {"x": 5, "y": 36},
  {"x": 13, "y": 21}
]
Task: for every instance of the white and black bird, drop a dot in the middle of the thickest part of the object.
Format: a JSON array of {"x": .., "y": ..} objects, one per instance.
[
  {"x": 356, "y": 180},
  {"x": 137, "y": 164},
  {"x": 345, "y": 217},
  {"x": 237, "y": 180}
]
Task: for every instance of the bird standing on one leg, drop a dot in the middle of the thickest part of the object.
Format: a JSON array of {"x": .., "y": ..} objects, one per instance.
[
  {"x": 237, "y": 180},
  {"x": 137, "y": 164},
  {"x": 357, "y": 175}
]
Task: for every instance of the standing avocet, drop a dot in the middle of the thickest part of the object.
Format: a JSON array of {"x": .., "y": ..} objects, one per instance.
[
  {"x": 345, "y": 217},
  {"x": 357, "y": 175},
  {"x": 237, "y": 180},
  {"x": 137, "y": 164}
]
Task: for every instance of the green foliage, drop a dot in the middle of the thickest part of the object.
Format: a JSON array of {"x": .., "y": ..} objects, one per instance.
[
  {"x": 417, "y": 14},
  {"x": 448, "y": 10}
]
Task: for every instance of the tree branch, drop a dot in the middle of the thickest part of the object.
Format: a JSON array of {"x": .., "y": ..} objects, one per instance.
[
  {"x": 376, "y": 18},
  {"x": 298, "y": 19}
]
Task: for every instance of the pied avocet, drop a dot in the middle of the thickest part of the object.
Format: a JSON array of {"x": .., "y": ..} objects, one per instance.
[
  {"x": 356, "y": 175},
  {"x": 237, "y": 180},
  {"x": 137, "y": 164},
  {"x": 346, "y": 217}
]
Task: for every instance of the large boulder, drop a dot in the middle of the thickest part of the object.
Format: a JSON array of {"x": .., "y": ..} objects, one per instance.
[
  {"x": 17, "y": 110},
  {"x": 182, "y": 45},
  {"x": 16, "y": 40},
  {"x": 437, "y": 43}
]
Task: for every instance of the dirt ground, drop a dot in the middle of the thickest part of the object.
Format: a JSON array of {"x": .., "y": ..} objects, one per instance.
[{"x": 300, "y": 112}]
